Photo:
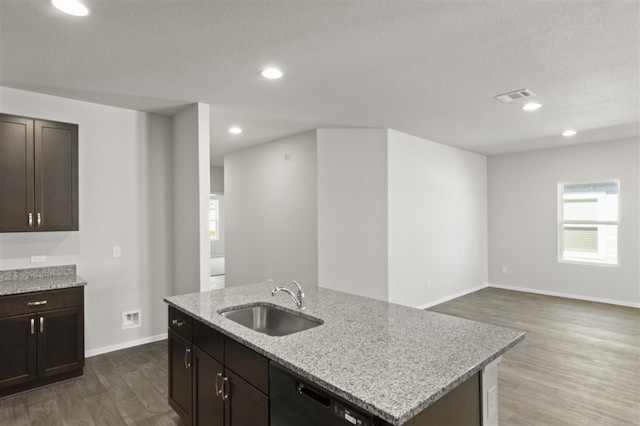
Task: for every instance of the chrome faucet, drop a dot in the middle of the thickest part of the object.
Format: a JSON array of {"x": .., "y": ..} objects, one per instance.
[{"x": 296, "y": 298}]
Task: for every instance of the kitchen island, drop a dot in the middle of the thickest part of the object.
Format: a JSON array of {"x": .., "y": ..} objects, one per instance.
[{"x": 389, "y": 360}]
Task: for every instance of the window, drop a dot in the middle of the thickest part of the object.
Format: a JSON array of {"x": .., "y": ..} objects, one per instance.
[
  {"x": 588, "y": 222},
  {"x": 214, "y": 218}
]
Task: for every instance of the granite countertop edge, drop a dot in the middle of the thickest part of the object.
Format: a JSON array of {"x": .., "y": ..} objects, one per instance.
[
  {"x": 396, "y": 419},
  {"x": 32, "y": 280}
]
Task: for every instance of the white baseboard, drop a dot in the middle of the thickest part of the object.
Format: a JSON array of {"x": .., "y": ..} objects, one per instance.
[
  {"x": 124, "y": 345},
  {"x": 567, "y": 295},
  {"x": 450, "y": 297}
]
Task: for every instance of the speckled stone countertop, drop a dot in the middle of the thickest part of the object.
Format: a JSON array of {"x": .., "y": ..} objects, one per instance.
[
  {"x": 29, "y": 280},
  {"x": 390, "y": 360}
]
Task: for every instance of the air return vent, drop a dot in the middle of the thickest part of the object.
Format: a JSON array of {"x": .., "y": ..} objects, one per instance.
[{"x": 514, "y": 96}]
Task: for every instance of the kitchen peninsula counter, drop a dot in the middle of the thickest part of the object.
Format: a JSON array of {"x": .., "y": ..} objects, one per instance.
[{"x": 390, "y": 360}]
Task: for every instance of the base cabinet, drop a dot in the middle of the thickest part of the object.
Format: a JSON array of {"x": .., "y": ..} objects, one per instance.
[
  {"x": 214, "y": 380},
  {"x": 43, "y": 335}
]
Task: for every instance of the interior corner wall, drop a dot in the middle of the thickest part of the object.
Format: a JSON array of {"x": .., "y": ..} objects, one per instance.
[
  {"x": 271, "y": 212},
  {"x": 352, "y": 211},
  {"x": 125, "y": 199},
  {"x": 437, "y": 220},
  {"x": 191, "y": 198},
  {"x": 217, "y": 180},
  {"x": 523, "y": 220},
  {"x": 217, "y": 187}
]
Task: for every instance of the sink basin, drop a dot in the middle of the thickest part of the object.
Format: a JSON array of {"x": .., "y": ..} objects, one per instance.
[{"x": 270, "y": 319}]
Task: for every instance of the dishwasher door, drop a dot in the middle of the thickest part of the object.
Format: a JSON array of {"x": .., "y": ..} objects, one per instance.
[{"x": 295, "y": 402}]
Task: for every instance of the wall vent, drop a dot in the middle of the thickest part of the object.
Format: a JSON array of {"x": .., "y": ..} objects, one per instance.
[{"x": 514, "y": 96}]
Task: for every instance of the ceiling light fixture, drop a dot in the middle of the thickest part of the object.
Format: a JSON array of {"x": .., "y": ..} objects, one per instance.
[
  {"x": 271, "y": 73},
  {"x": 568, "y": 133},
  {"x": 531, "y": 106},
  {"x": 71, "y": 7},
  {"x": 235, "y": 130}
]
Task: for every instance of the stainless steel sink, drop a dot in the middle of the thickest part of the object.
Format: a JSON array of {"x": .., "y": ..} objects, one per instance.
[{"x": 270, "y": 320}]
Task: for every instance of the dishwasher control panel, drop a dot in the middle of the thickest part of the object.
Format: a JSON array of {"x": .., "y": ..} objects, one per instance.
[{"x": 351, "y": 416}]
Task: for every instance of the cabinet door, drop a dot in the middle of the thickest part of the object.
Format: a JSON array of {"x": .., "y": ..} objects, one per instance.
[
  {"x": 17, "y": 350},
  {"x": 56, "y": 176},
  {"x": 245, "y": 404},
  {"x": 16, "y": 174},
  {"x": 60, "y": 341},
  {"x": 208, "y": 407},
  {"x": 180, "y": 381}
]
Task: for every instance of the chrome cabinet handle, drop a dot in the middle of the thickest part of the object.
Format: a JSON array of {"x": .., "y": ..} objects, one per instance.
[
  {"x": 218, "y": 388},
  {"x": 225, "y": 395},
  {"x": 33, "y": 326},
  {"x": 41, "y": 324},
  {"x": 187, "y": 358},
  {"x": 178, "y": 323},
  {"x": 30, "y": 220},
  {"x": 38, "y": 220},
  {"x": 38, "y": 303}
]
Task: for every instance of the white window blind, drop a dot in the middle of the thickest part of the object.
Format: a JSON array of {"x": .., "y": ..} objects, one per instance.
[{"x": 588, "y": 222}]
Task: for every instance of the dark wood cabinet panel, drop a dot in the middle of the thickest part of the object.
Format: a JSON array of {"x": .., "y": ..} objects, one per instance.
[
  {"x": 60, "y": 341},
  {"x": 38, "y": 175},
  {"x": 246, "y": 405},
  {"x": 16, "y": 173},
  {"x": 18, "y": 350},
  {"x": 248, "y": 364},
  {"x": 208, "y": 405},
  {"x": 41, "y": 345},
  {"x": 180, "y": 376}
]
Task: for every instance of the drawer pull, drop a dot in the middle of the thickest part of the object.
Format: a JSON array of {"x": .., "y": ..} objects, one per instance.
[
  {"x": 178, "y": 323},
  {"x": 41, "y": 324},
  {"x": 33, "y": 326},
  {"x": 187, "y": 358},
  {"x": 218, "y": 388},
  {"x": 225, "y": 394},
  {"x": 30, "y": 220},
  {"x": 38, "y": 303},
  {"x": 38, "y": 220}
]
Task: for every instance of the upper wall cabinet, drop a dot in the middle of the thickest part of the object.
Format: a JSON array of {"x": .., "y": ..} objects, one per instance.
[{"x": 38, "y": 175}]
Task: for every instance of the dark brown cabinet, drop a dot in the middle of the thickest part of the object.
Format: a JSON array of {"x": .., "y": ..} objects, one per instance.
[
  {"x": 43, "y": 335},
  {"x": 38, "y": 175},
  {"x": 229, "y": 382}
]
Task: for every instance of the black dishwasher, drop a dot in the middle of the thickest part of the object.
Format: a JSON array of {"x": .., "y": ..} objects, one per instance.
[{"x": 295, "y": 402}]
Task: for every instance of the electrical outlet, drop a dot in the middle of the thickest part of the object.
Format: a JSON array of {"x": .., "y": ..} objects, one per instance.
[
  {"x": 38, "y": 259},
  {"x": 505, "y": 270},
  {"x": 117, "y": 251},
  {"x": 131, "y": 319}
]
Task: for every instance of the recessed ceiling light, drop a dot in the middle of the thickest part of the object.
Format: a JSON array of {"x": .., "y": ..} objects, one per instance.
[
  {"x": 72, "y": 7},
  {"x": 568, "y": 133},
  {"x": 531, "y": 106},
  {"x": 271, "y": 73},
  {"x": 235, "y": 130}
]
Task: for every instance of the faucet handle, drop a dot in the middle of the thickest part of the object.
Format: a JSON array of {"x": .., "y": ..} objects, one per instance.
[{"x": 300, "y": 292}]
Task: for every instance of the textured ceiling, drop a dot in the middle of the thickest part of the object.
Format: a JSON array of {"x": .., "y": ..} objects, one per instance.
[{"x": 428, "y": 68}]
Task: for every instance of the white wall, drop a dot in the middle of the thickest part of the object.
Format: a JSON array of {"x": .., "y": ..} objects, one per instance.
[
  {"x": 523, "y": 220},
  {"x": 125, "y": 199},
  {"x": 437, "y": 220},
  {"x": 352, "y": 211},
  {"x": 217, "y": 187},
  {"x": 191, "y": 199},
  {"x": 271, "y": 212}
]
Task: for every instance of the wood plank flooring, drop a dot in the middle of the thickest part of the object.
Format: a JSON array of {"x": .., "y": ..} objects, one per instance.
[
  {"x": 579, "y": 364},
  {"x": 127, "y": 387}
]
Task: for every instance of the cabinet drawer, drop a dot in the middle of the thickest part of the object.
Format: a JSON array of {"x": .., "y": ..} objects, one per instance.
[
  {"x": 248, "y": 364},
  {"x": 28, "y": 303},
  {"x": 180, "y": 322},
  {"x": 209, "y": 340}
]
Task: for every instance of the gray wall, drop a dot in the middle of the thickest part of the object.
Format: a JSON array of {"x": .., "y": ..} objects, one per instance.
[
  {"x": 125, "y": 199},
  {"x": 523, "y": 234},
  {"x": 191, "y": 199},
  {"x": 352, "y": 211},
  {"x": 271, "y": 213},
  {"x": 437, "y": 220}
]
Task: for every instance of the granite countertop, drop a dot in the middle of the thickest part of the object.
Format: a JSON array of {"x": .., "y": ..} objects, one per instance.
[
  {"x": 391, "y": 360},
  {"x": 29, "y": 280}
]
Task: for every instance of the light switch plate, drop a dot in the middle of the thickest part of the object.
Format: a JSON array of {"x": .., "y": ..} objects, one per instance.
[
  {"x": 117, "y": 251},
  {"x": 38, "y": 259}
]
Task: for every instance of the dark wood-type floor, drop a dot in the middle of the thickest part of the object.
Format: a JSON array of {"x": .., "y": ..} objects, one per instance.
[{"x": 578, "y": 366}]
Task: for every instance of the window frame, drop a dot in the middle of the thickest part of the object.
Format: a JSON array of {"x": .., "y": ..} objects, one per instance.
[{"x": 561, "y": 224}]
